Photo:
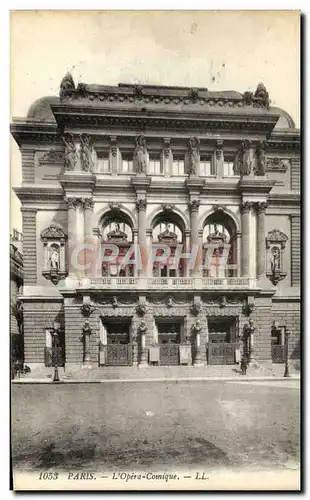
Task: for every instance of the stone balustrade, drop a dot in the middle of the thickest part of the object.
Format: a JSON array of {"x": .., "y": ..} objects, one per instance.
[{"x": 155, "y": 283}]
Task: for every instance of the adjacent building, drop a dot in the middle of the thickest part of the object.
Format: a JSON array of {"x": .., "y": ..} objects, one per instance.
[{"x": 144, "y": 167}]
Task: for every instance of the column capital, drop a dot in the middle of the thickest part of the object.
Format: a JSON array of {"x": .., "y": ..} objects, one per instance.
[
  {"x": 88, "y": 203},
  {"x": 194, "y": 206},
  {"x": 261, "y": 207},
  {"x": 72, "y": 202},
  {"x": 141, "y": 204},
  {"x": 246, "y": 206}
]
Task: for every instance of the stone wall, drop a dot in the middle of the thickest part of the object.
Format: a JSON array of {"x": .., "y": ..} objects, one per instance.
[
  {"x": 39, "y": 316},
  {"x": 295, "y": 173},
  {"x": 29, "y": 246},
  {"x": 295, "y": 250},
  {"x": 288, "y": 314}
]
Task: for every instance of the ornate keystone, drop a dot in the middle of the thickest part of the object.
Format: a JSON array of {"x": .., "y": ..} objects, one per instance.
[
  {"x": 87, "y": 310},
  {"x": 115, "y": 206},
  {"x": 141, "y": 309},
  {"x": 167, "y": 207},
  {"x": 196, "y": 308}
]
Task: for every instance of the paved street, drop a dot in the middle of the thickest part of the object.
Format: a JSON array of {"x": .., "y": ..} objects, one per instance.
[{"x": 137, "y": 425}]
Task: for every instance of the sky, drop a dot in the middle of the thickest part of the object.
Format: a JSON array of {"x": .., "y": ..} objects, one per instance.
[{"x": 219, "y": 50}]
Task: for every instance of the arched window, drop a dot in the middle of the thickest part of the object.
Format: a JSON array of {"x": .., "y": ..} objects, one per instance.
[
  {"x": 219, "y": 246},
  {"x": 116, "y": 230},
  {"x": 168, "y": 231}
]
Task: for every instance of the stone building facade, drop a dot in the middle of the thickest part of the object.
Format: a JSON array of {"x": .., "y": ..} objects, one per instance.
[
  {"x": 139, "y": 166},
  {"x": 16, "y": 283}
]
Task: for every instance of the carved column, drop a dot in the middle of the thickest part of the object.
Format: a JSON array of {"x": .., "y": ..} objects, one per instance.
[
  {"x": 88, "y": 236},
  {"x": 72, "y": 227},
  {"x": 245, "y": 238},
  {"x": 238, "y": 243},
  {"x": 194, "y": 208},
  {"x": 141, "y": 207},
  {"x": 187, "y": 251},
  {"x": 261, "y": 242}
]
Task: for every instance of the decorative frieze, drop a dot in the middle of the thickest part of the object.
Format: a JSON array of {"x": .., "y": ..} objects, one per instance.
[
  {"x": 276, "y": 164},
  {"x": 52, "y": 157}
]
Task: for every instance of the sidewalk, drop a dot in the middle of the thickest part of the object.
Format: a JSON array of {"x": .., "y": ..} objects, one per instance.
[{"x": 123, "y": 374}]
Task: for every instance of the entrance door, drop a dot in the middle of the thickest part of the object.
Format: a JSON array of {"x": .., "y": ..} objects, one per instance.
[
  {"x": 118, "y": 349},
  {"x": 221, "y": 346},
  {"x": 169, "y": 334}
]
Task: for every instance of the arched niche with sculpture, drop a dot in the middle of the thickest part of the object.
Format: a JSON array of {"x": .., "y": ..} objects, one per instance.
[
  {"x": 54, "y": 243},
  {"x": 275, "y": 246}
]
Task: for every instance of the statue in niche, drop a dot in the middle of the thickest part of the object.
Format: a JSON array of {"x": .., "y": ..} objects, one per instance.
[
  {"x": 275, "y": 260},
  {"x": 88, "y": 154},
  {"x": 71, "y": 155},
  {"x": 140, "y": 155},
  {"x": 193, "y": 153},
  {"x": 54, "y": 259}
]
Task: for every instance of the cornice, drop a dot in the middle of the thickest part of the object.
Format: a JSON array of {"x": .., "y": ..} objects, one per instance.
[
  {"x": 25, "y": 131},
  {"x": 39, "y": 194},
  {"x": 284, "y": 199},
  {"x": 166, "y": 119}
]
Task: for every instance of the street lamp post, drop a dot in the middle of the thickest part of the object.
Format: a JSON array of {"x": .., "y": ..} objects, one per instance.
[
  {"x": 286, "y": 336},
  {"x": 55, "y": 351}
]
